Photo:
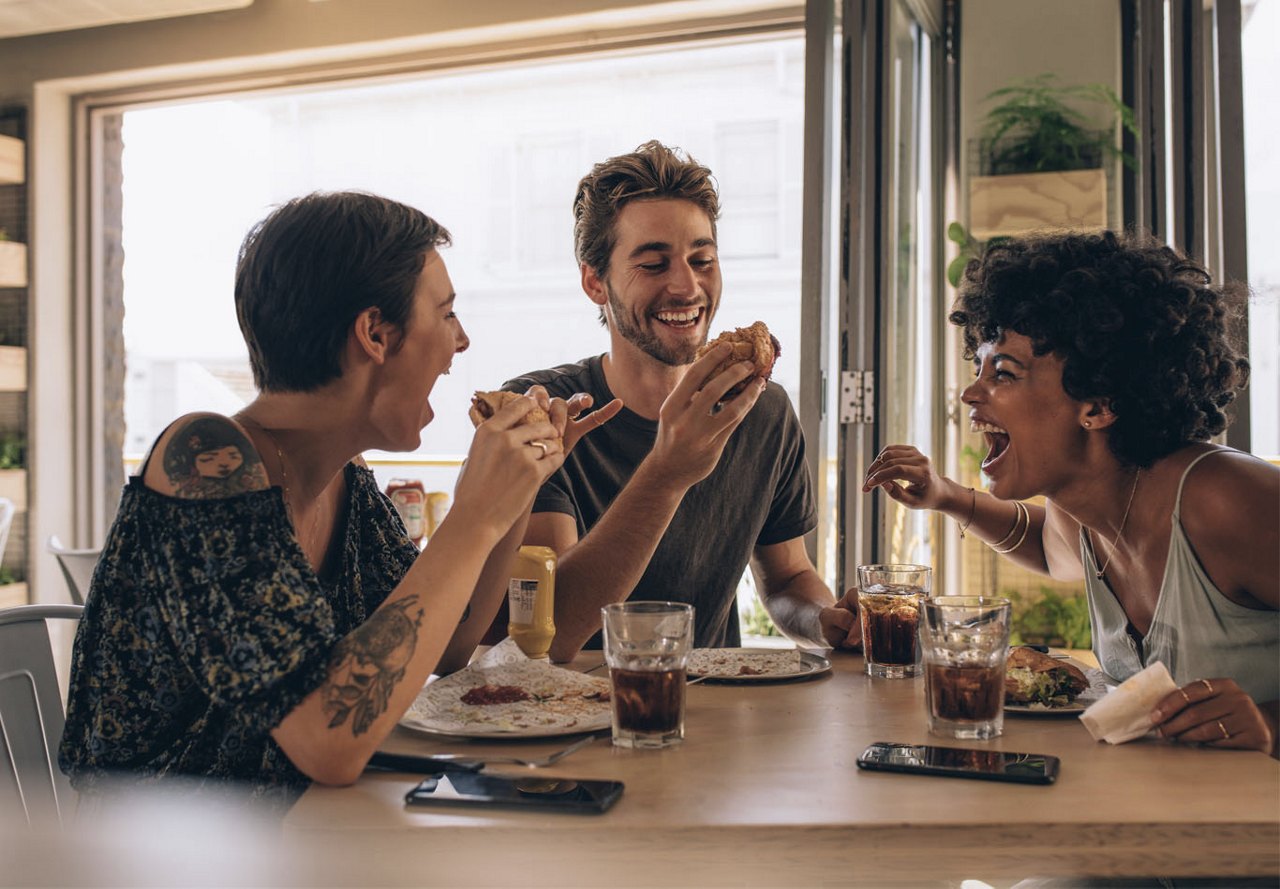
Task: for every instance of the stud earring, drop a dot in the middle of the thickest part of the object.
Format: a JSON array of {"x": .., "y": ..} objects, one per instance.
[{"x": 1088, "y": 424}]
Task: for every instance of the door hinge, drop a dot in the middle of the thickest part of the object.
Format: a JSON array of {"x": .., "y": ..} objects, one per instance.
[{"x": 857, "y": 396}]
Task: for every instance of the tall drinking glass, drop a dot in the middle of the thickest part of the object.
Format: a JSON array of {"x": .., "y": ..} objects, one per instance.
[
  {"x": 966, "y": 644},
  {"x": 889, "y": 599},
  {"x": 646, "y": 645}
]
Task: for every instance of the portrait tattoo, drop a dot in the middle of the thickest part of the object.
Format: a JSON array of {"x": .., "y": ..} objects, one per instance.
[
  {"x": 210, "y": 457},
  {"x": 367, "y": 665}
]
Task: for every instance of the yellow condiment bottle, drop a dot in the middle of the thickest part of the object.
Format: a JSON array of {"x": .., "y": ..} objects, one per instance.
[{"x": 531, "y": 600}]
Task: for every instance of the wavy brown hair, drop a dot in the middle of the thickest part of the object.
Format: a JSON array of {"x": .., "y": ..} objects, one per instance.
[{"x": 1136, "y": 323}]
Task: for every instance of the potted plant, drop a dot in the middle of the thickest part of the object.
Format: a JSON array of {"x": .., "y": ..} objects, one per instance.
[
  {"x": 13, "y": 472},
  {"x": 1043, "y": 160}
]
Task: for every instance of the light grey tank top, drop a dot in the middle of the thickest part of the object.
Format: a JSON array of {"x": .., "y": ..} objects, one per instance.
[{"x": 1196, "y": 631}]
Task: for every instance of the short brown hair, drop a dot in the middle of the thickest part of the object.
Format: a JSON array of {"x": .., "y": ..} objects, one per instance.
[
  {"x": 653, "y": 171},
  {"x": 311, "y": 266}
]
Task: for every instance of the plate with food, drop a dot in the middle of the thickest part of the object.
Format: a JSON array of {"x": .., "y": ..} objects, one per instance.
[
  {"x": 755, "y": 664},
  {"x": 1039, "y": 684},
  {"x": 526, "y": 699}
]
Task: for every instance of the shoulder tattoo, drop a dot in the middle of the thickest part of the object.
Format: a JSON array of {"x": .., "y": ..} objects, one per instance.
[{"x": 209, "y": 457}]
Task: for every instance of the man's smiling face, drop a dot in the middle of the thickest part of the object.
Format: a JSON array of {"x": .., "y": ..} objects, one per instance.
[{"x": 663, "y": 285}]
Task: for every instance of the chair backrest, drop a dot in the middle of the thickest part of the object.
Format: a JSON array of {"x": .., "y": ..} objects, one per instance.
[
  {"x": 77, "y": 567},
  {"x": 31, "y": 716},
  {"x": 6, "y": 522}
]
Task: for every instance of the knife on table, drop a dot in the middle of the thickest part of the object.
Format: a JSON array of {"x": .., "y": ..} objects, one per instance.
[{"x": 421, "y": 765}]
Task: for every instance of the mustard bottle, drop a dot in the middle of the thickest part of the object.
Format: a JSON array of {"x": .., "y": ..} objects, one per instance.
[{"x": 531, "y": 600}]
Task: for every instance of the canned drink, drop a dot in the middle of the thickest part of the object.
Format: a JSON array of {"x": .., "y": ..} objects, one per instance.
[{"x": 531, "y": 600}]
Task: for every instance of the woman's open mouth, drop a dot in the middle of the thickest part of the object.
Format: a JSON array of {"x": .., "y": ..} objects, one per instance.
[
  {"x": 997, "y": 442},
  {"x": 681, "y": 319}
]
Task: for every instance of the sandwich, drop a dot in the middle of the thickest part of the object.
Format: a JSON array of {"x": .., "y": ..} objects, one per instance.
[
  {"x": 755, "y": 344},
  {"x": 485, "y": 404},
  {"x": 1035, "y": 678}
]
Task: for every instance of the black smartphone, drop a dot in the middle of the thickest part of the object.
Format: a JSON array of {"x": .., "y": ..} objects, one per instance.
[
  {"x": 476, "y": 788},
  {"x": 961, "y": 762}
]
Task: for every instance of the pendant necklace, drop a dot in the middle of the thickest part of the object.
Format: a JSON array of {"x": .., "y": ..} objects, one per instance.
[
  {"x": 284, "y": 483},
  {"x": 1119, "y": 534}
]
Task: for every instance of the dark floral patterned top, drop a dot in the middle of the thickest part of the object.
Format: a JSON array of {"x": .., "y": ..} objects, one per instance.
[{"x": 205, "y": 625}]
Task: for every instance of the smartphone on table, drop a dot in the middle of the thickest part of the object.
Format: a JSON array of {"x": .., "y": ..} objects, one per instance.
[
  {"x": 518, "y": 792},
  {"x": 960, "y": 762}
]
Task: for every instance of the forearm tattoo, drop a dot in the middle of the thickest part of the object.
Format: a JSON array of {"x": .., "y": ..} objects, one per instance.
[
  {"x": 210, "y": 457},
  {"x": 368, "y": 664}
]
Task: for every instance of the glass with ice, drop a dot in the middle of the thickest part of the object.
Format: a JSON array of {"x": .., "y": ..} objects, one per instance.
[
  {"x": 889, "y": 599},
  {"x": 965, "y": 642},
  {"x": 646, "y": 645}
]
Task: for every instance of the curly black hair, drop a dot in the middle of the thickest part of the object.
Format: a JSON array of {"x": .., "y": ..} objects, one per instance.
[{"x": 1135, "y": 322}]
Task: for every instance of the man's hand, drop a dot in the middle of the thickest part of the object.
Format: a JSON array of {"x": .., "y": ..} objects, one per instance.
[
  {"x": 693, "y": 426},
  {"x": 841, "y": 626}
]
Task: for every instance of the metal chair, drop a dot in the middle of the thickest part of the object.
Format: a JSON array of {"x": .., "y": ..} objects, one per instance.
[
  {"x": 31, "y": 715},
  {"x": 77, "y": 567}
]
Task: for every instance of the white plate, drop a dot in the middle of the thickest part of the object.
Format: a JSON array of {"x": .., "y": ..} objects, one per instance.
[
  {"x": 811, "y": 664},
  {"x": 558, "y": 708}
]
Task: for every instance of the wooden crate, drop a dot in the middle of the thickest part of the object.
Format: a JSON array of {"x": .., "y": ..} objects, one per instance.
[
  {"x": 13, "y": 368},
  {"x": 13, "y": 484},
  {"x": 13, "y": 264},
  {"x": 12, "y": 161},
  {"x": 1027, "y": 202}
]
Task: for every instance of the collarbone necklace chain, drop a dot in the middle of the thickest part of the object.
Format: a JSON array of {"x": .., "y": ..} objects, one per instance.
[
  {"x": 1124, "y": 519},
  {"x": 288, "y": 499}
]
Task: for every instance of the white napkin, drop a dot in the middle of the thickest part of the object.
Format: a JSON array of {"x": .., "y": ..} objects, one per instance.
[
  {"x": 1125, "y": 713},
  {"x": 505, "y": 652}
]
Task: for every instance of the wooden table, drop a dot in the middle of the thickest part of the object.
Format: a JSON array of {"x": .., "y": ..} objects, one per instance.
[{"x": 764, "y": 791}]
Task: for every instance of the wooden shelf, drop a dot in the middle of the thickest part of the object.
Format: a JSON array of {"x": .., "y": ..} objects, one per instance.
[
  {"x": 13, "y": 594},
  {"x": 13, "y": 484},
  {"x": 13, "y": 264},
  {"x": 1027, "y": 202},
  {"x": 12, "y": 161},
  {"x": 13, "y": 369}
]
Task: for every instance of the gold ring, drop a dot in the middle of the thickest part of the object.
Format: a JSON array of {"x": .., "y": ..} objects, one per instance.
[
  {"x": 1226, "y": 735},
  {"x": 540, "y": 444},
  {"x": 1183, "y": 692},
  {"x": 1207, "y": 685}
]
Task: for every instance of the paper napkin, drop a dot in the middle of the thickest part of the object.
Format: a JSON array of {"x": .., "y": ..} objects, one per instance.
[{"x": 1125, "y": 713}]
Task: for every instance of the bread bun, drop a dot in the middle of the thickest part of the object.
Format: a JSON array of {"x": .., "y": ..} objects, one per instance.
[
  {"x": 485, "y": 404},
  {"x": 755, "y": 344}
]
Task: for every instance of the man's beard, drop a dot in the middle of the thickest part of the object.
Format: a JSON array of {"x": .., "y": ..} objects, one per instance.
[{"x": 649, "y": 343}]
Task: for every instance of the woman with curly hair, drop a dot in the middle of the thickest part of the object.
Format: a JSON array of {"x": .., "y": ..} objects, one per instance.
[{"x": 1103, "y": 365}]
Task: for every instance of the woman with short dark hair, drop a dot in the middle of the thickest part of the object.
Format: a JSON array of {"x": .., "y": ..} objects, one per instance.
[
  {"x": 259, "y": 614},
  {"x": 1103, "y": 367}
]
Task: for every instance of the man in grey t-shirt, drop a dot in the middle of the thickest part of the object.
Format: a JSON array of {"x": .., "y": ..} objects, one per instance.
[{"x": 672, "y": 497}]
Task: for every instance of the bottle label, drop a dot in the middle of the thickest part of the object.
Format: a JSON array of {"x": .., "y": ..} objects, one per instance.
[{"x": 521, "y": 596}]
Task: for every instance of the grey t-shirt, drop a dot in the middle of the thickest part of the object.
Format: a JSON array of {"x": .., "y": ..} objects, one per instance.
[{"x": 760, "y": 493}]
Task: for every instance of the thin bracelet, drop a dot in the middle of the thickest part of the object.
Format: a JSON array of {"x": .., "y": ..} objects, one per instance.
[
  {"x": 1026, "y": 514},
  {"x": 973, "y": 508},
  {"x": 1017, "y": 520}
]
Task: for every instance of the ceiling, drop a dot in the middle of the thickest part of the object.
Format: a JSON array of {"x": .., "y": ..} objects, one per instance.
[{"x": 21, "y": 17}]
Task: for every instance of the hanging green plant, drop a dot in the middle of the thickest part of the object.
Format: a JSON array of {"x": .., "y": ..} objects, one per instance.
[
  {"x": 1033, "y": 129},
  {"x": 970, "y": 248}
]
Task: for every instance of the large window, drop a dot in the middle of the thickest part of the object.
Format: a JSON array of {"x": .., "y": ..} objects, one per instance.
[
  {"x": 495, "y": 155},
  {"x": 1261, "y": 63}
]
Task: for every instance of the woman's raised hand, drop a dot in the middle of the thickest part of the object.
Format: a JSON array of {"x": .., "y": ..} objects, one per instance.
[
  {"x": 922, "y": 487},
  {"x": 507, "y": 463},
  {"x": 565, "y": 413}
]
